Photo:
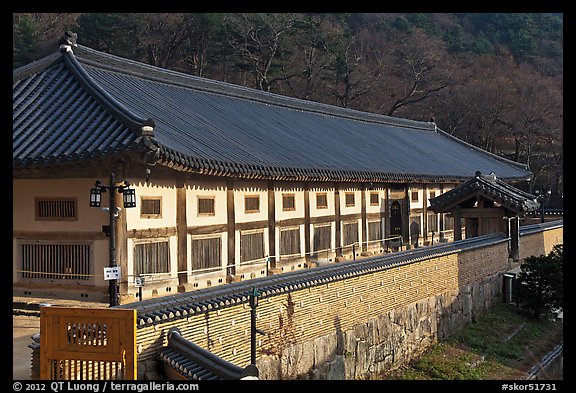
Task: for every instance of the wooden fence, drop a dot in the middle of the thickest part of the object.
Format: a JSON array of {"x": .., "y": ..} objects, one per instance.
[{"x": 87, "y": 343}]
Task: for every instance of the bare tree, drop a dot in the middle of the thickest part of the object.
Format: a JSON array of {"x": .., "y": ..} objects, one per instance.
[
  {"x": 259, "y": 39},
  {"x": 416, "y": 67}
]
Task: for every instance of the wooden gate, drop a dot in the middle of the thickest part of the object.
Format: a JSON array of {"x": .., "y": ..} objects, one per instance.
[{"x": 87, "y": 343}]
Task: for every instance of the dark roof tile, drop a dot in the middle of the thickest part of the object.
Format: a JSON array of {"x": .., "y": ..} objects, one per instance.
[{"x": 91, "y": 104}]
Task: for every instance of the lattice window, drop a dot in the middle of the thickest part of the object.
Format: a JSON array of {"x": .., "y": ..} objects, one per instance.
[
  {"x": 448, "y": 223},
  {"x": 288, "y": 202},
  {"x": 321, "y": 201},
  {"x": 151, "y": 207},
  {"x": 252, "y": 204},
  {"x": 55, "y": 261},
  {"x": 206, "y": 253},
  {"x": 432, "y": 222},
  {"x": 349, "y": 199},
  {"x": 350, "y": 233},
  {"x": 206, "y": 206},
  {"x": 374, "y": 230},
  {"x": 151, "y": 258},
  {"x": 251, "y": 246},
  {"x": 290, "y": 242},
  {"x": 374, "y": 199},
  {"x": 322, "y": 237},
  {"x": 56, "y": 209}
]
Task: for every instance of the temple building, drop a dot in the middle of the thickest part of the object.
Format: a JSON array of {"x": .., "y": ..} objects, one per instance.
[{"x": 203, "y": 183}]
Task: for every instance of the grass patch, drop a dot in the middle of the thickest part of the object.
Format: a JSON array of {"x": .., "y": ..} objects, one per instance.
[{"x": 501, "y": 344}]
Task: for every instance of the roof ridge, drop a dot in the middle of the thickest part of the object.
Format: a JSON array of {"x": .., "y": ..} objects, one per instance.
[
  {"x": 471, "y": 146},
  {"x": 117, "y": 109},
  {"x": 237, "y": 91},
  {"x": 37, "y": 65}
]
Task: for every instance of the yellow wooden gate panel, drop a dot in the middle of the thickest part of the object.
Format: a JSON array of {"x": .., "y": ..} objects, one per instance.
[{"x": 87, "y": 343}]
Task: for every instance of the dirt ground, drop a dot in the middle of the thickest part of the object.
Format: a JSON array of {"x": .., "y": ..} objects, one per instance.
[{"x": 23, "y": 328}]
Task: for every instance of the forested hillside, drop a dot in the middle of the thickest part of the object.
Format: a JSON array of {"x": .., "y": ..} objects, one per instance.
[{"x": 493, "y": 80}]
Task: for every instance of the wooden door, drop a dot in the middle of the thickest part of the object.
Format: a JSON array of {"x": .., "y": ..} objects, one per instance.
[{"x": 87, "y": 343}]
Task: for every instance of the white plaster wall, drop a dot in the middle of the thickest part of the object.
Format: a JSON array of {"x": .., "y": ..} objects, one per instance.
[
  {"x": 357, "y": 208},
  {"x": 216, "y": 189},
  {"x": 298, "y": 193},
  {"x": 163, "y": 189},
  {"x": 321, "y": 188},
  {"x": 420, "y": 203},
  {"x": 243, "y": 189}
]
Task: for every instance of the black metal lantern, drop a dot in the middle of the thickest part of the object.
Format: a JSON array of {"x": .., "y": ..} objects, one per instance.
[
  {"x": 95, "y": 196},
  {"x": 129, "y": 197}
]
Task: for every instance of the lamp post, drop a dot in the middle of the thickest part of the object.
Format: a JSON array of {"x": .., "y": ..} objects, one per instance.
[
  {"x": 129, "y": 200},
  {"x": 253, "y": 301},
  {"x": 542, "y": 197}
]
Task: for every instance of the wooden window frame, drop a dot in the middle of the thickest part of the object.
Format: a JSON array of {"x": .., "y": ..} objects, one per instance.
[
  {"x": 206, "y": 197},
  {"x": 317, "y": 229},
  {"x": 41, "y": 261},
  {"x": 432, "y": 225},
  {"x": 150, "y": 215},
  {"x": 346, "y": 241},
  {"x": 250, "y": 211},
  {"x": 322, "y": 194},
  {"x": 371, "y": 236},
  {"x": 39, "y": 200},
  {"x": 218, "y": 251},
  {"x": 346, "y": 196},
  {"x": 289, "y": 208},
  {"x": 412, "y": 199},
  {"x": 377, "y": 195},
  {"x": 283, "y": 254},
  {"x": 243, "y": 257},
  {"x": 149, "y": 242}
]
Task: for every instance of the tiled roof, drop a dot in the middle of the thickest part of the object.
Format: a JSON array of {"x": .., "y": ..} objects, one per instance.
[
  {"x": 490, "y": 187},
  {"x": 194, "y": 362},
  {"x": 87, "y": 104}
]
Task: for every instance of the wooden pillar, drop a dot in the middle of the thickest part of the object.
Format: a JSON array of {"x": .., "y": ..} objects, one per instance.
[
  {"x": 424, "y": 213},
  {"x": 514, "y": 235},
  {"x": 442, "y": 218},
  {"x": 363, "y": 219},
  {"x": 231, "y": 229},
  {"x": 406, "y": 215},
  {"x": 121, "y": 242},
  {"x": 306, "y": 219},
  {"x": 457, "y": 224},
  {"x": 386, "y": 217},
  {"x": 338, "y": 231},
  {"x": 271, "y": 224},
  {"x": 182, "y": 235}
]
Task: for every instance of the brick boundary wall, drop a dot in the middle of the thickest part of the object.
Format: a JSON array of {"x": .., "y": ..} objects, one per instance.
[
  {"x": 539, "y": 239},
  {"x": 350, "y": 328}
]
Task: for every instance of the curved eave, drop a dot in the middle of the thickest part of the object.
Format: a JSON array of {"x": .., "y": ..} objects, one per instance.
[
  {"x": 78, "y": 159},
  {"x": 177, "y": 161}
]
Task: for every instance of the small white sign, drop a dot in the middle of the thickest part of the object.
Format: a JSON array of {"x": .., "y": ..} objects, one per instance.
[
  {"x": 138, "y": 282},
  {"x": 112, "y": 273}
]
